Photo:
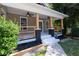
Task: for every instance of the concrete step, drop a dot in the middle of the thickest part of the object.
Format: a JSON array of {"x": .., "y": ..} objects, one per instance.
[
  {"x": 45, "y": 36},
  {"x": 26, "y": 41},
  {"x": 49, "y": 40}
]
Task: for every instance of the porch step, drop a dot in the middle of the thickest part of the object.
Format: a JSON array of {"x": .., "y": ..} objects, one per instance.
[
  {"x": 26, "y": 41},
  {"x": 45, "y": 36},
  {"x": 49, "y": 40}
]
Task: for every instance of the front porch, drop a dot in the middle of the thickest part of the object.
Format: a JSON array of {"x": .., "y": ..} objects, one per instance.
[
  {"x": 44, "y": 26},
  {"x": 34, "y": 21}
]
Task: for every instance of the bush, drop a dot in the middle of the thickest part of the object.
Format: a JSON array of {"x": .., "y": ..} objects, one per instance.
[
  {"x": 8, "y": 36},
  {"x": 75, "y": 32}
]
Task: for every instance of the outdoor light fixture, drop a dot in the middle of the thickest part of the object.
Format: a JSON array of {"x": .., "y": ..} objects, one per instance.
[{"x": 29, "y": 14}]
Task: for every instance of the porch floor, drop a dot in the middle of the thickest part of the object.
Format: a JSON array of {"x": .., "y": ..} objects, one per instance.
[
  {"x": 26, "y": 43},
  {"x": 23, "y": 36}
]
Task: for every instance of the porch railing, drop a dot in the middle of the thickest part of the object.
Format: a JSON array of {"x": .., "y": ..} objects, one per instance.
[{"x": 28, "y": 30}]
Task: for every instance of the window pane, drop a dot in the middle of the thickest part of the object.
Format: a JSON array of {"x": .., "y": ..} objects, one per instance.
[{"x": 23, "y": 22}]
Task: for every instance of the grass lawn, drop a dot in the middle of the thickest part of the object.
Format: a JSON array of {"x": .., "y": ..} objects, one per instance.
[{"x": 71, "y": 47}]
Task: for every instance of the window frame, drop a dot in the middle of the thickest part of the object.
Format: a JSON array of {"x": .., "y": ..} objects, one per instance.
[{"x": 26, "y": 21}]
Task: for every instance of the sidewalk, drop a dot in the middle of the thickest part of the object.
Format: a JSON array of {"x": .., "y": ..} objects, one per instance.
[{"x": 55, "y": 50}]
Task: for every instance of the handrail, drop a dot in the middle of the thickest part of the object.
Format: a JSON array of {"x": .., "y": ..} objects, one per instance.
[{"x": 27, "y": 29}]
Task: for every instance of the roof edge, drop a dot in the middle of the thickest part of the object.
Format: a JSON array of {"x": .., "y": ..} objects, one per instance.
[{"x": 65, "y": 15}]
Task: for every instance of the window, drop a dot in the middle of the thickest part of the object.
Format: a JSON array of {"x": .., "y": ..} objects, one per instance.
[
  {"x": 23, "y": 24},
  {"x": 23, "y": 21}
]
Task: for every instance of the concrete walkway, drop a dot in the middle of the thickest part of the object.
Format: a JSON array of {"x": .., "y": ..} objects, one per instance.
[
  {"x": 55, "y": 50},
  {"x": 52, "y": 50}
]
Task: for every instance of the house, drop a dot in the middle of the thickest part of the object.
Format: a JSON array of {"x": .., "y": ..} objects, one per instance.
[{"x": 34, "y": 20}]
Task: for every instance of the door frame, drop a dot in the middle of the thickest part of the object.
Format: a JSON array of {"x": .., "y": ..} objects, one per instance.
[
  {"x": 47, "y": 25},
  {"x": 42, "y": 24}
]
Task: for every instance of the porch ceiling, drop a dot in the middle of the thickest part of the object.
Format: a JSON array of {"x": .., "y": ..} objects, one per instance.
[
  {"x": 23, "y": 12},
  {"x": 22, "y": 8}
]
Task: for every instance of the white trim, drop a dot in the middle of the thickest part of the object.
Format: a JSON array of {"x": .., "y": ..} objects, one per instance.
[
  {"x": 64, "y": 15},
  {"x": 32, "y": 7},
  {"x": 47, "y": 25},
  {"x": 26, "y": 41},
  {"x": 26, "y": 20}
]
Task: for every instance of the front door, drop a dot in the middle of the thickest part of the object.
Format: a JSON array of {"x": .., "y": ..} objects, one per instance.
[{"x": 41, "y": 25}]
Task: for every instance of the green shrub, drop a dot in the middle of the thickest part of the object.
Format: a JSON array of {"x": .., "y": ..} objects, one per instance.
[
  {"x": 75, "y": 31},
  {"x": 8, "y": 36}
]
